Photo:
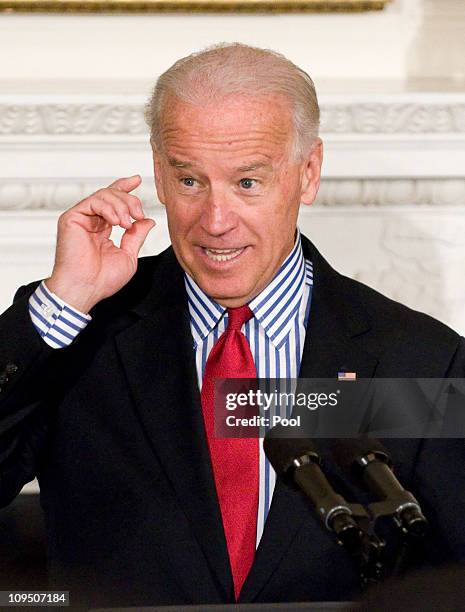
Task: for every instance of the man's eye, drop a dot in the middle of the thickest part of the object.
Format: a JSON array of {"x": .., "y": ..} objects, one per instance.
[
  {"x": 188, "y": 181},
  {"x": 247, "y": 183}
]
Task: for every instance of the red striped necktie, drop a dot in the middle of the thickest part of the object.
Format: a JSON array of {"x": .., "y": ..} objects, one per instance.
[{"x": 235, "y": 460}]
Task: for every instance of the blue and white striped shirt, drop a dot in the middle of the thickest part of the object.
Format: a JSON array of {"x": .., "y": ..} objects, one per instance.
[{"x": 276, "y": 333}]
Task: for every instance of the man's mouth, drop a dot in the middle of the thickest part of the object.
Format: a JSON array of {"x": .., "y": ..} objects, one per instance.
[{"x": 223, "y": 254}]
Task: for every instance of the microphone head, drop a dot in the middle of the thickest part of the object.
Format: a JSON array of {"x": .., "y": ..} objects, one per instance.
[
  {"x": 348, "y": 452},
  {"x": 282, "y": 452}
]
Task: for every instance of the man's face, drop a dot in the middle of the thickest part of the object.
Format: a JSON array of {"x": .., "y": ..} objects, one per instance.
[{"x": 232, "y": 191}]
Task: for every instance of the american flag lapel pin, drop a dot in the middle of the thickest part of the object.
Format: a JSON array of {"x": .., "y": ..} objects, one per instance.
[{"x": 347, "y": 375}]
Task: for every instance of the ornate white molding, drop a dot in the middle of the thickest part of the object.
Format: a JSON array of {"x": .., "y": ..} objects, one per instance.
[
  {"x": 393, "y": 118},
  {"x": 396, "y": 192},
  {"x": 59, "y": 195},
  {"x": 71, "y": 119},
  {"x": 416, "y": 114}
]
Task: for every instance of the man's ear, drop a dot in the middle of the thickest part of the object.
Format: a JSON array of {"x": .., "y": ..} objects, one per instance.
[
  {"x": 157, "y": 172},
  {"x": 311, "y": 173}
]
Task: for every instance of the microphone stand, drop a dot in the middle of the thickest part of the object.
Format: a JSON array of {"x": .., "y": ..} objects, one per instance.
[
  {"x": 350, "y": 523},
  {"x": 411, "y": 537},
  {"x": 369, "y": 463},
  {"x": 368, "y": 549}
]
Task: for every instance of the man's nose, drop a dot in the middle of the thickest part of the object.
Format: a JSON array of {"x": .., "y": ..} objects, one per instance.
[{"x": 218, "y": 215}]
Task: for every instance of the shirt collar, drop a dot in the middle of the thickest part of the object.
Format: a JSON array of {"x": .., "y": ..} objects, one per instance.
[{"x": 274, "y": 308}]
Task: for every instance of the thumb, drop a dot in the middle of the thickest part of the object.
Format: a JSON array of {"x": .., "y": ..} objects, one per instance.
[{"x": 134, "y": 237}]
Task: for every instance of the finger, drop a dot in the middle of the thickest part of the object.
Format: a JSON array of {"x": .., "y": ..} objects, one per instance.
[
  {"x": 117, "y": 203},
  {"x": 96, "y": 225},
  {"x": 134, "y": 238},
  {"x": 131, "y": 201},
  {"x": 127, "y": 183},
  {"x": 107, "y": 210},
  {"x": 93, "y": 214},
  {"x": 123, "y": 204}
]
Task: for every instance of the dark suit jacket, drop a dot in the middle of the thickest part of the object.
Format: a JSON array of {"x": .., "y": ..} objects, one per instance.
[{"x": 112, "y": 427}]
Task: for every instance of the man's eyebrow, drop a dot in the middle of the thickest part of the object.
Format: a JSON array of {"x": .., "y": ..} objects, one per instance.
[
  {"x": 252, "y": 166},
  {"x": 177, "y": 163}
]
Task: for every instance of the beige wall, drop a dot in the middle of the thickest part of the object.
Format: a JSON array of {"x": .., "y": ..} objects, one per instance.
[{"x": 391, "y": 44}]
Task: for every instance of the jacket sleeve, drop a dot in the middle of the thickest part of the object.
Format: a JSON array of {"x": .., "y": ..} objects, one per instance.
[{"x": 26, "y": 378}]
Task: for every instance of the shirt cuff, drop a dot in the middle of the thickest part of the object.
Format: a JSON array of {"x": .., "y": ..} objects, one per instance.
[{"x": 56, "y": 321}]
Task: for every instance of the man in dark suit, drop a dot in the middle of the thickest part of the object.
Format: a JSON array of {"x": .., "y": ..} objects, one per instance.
[{"x": 106, "y": 360}]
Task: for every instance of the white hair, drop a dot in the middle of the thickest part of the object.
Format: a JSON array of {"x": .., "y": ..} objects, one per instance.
[{"x": 235, "y": 68}]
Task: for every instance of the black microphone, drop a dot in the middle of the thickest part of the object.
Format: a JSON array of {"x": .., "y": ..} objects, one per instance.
[
  {"x": 369, "y": 462},
  {"x": 297, "y": 459}
]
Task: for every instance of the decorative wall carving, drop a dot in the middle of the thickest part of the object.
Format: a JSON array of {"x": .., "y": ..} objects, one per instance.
[
  {"x": 354, "y": 118},
  {"x": 418, "y": 260},
  {"x": 393, "y": 118},
  {"x": 387, "y": 192},
  {"x": 71, "y": 119}
]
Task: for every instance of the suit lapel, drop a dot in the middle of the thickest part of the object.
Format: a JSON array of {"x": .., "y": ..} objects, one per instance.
[
  {"x": 168, "y": 402},
  {"x": 333, "y": 343},
  {"x": 165, "y": 390},
  {"x": 337, "y": 328}
]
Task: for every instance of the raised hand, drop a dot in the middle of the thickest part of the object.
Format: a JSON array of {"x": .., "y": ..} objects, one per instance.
[{"x": 88, "y": 265}]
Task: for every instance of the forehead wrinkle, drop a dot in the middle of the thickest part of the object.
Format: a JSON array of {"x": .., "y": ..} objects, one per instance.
[
  {"x": 219, "y": 134},
  {"x": 258, "y": 150},
  {"x": 186, "y": 143},
  {"x": 249, "y": 159},
  {"x": 216, "y": 139},
  {"x": 235, "y": 122}
]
